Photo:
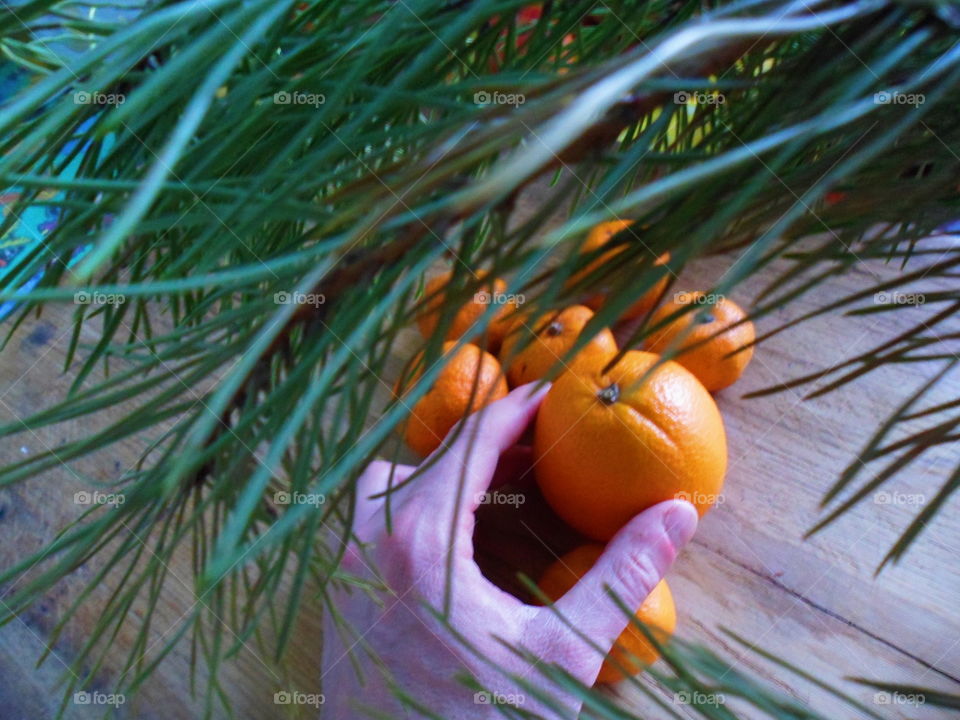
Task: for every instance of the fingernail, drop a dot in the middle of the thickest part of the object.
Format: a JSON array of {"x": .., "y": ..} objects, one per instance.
[
  {"x": 680, "y": 523},
  {"x": 534, "y": 390}
]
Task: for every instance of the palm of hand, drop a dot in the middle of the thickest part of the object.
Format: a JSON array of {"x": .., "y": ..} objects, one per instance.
[{"x": 395, "y": 633}]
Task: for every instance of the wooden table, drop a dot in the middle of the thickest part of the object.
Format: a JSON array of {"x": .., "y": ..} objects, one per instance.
[{"x": 812, "y": 602}]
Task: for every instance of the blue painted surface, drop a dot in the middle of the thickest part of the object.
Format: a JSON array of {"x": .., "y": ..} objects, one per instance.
[{"x": 33, "y": 223}]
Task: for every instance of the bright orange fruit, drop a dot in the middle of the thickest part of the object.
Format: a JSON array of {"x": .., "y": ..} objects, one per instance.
[
  {"x": 605, "y": 449},
  {"x": 470, "y": 380},
  {"x": 465, "y": 319},
  {"x": 555, "y": 334},
  {"x": 632, "y": 649},
  {"x": 710, "y": 361},
  {"x": 597, "y": 238}
]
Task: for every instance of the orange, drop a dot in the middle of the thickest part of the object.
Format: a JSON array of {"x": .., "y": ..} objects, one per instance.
[
  {"x": 597, "y": 238},
  {"x": 605, "y": 449},
  {"x": 632, "y": 650},
  {"x": 555, "y": 334},
  {"x": 467, "y": 316},
  {"x": 453, "y": 395},
  {"x": 711, "y": 362}
]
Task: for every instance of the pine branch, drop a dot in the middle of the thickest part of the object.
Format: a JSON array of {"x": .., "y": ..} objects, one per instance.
[{"x": 201, "y": 198}]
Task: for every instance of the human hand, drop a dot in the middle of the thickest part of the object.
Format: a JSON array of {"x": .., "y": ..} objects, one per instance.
[{"x": 400, "y": 644}]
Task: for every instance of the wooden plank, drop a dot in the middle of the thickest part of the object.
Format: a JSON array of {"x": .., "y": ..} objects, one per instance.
[
  {"x": 814, "y": 602},
  {"x": 31, "y": 513}
]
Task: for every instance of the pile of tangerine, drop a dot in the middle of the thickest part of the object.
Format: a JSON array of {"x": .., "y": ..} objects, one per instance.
[{"x": 662, "y": 438}]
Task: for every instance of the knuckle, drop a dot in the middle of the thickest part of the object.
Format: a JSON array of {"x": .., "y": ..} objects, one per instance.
[
  {"x": 413, "y": 548},
  {"x": 635, "y": 574},
  {"x": 396, "y": 561}
]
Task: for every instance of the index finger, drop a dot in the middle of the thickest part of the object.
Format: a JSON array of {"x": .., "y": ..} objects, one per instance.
[{"x": 468, "y": 464}]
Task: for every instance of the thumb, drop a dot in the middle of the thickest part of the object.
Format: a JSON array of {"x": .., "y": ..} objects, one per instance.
[{"x": 631, "y": 565}]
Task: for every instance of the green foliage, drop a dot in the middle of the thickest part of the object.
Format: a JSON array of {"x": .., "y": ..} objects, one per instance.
[{"x": 203, "y": 198}]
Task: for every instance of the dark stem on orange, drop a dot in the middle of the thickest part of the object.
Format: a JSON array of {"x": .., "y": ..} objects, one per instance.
[
  {"x": 610, "y": 394},
  {"x": 554, "y": 328}
]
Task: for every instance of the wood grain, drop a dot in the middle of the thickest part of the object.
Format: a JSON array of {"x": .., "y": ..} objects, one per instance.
[{"x": 814, "y": 602}]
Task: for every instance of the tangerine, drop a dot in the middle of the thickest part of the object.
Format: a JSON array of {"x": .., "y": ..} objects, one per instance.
[
  {"x": 606, "y": 448},
  {"x": 467, "y": 316},
  {"x": 713, "y": 340},
  {"x": 471, "y": 379},
  {"x": 598, "y": 237},
  {"x": 554, "y": 335},
  {"x": 632, "y": 649}
]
